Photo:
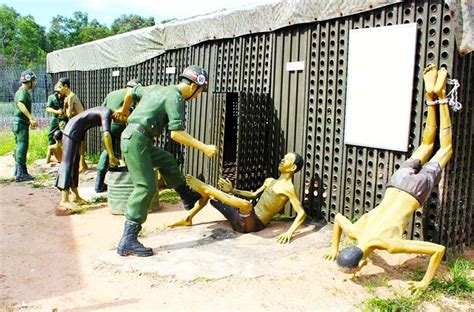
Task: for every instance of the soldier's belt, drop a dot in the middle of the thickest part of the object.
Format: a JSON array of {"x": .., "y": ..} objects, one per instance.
[{"x": 142, "y": 130}]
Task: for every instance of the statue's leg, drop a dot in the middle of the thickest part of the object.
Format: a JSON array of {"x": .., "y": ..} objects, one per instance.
[
  {"x": 187, "y": 220},
  {"x": 445, "y": 134},
  {"x": 341, "y": 224},
  {"x": 424, "y": 151},
  {"x": 418, "y": 247},
  {"x": 208, "y": 191}
]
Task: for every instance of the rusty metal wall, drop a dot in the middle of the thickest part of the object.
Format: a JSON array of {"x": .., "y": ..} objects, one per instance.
[{"x": 307, "y": 113}]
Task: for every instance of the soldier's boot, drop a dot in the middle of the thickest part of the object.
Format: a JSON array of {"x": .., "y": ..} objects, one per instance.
[
  {"x": 22, "y": 174},
  {"x": 16, "y": 170},
  {"x": 129, "y": 244},
  {"x": 100, "y": 185},
  {"x": 188, "y": 196}
]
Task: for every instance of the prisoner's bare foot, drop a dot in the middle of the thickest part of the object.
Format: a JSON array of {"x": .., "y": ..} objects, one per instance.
[
  {"x": 331, "y": 255},
  {"x": 430, "y": 74},
  {"x": 62, "y": 212},
  {"x": 416, "y": 288},
  {"x": 187, "y": 221},
  {"x": 80, "y": 201},
  {"x": 67, "y": 205},
  {"x": 197, "y": 185},
  {"x": 440, "y": 87}
]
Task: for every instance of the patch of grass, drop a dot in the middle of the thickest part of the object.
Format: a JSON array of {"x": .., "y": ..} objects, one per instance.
[
  {"x": 93, "y": 158},
  {"x": 169, "y": 196},
  {"x": 457, "y": 282},
  {"x": 7, "y": 142},
  {"x": 38, "y": 145},
  {"x": 37, "y": 185},
  {"x": 7, "y": 180},
  {"x": 203, "y": 279},
  {"x": 397, "y": 303},
  {"x": 98, "y": 199}
]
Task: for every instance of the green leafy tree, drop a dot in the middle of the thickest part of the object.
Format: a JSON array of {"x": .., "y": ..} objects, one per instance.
[{"x": 130, "y": 22}]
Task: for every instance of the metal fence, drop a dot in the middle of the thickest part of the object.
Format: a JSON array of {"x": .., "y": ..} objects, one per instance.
[
  {"x": 10, "y": 83},
  {"x": 305, "y": 114}
]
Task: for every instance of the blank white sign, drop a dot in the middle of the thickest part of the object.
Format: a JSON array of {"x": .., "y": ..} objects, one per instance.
[{"x": 380, "y": 86}]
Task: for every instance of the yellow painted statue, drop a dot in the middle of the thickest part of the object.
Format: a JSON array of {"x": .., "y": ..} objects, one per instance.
[
  {"x": 242, "y": 215},
  {"x": 383, "y": 227}
]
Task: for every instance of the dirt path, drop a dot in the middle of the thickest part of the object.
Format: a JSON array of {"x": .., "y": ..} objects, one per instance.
[{"x": 49, "y": 262}]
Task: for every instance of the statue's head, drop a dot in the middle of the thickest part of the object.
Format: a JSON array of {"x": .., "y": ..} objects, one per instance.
[
  {"x": 133, "y": 83},
  {"x": 291, "y": 163},
  {"x": 196, "y": 79},
  {"x": 28, "y": 77},
  {"x": 63, "y": 85},
  {"x": 58, "y": 135},
  {"x": 349, "y": 259}
]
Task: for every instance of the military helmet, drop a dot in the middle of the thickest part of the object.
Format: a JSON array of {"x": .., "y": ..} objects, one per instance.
[
  {"x": 27, "y": 76},
  {"x": 196, "y": 74},
  {"x": 133, "y": 83}
]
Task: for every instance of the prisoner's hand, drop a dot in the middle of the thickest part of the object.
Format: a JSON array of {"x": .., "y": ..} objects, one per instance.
[
  {"x": 331, "y": 256},
  {"x": 113, "y": 161},
  {"x": 33, "y": 123},
  {"x": 284, "y": 238},
  {"x": 416, "y": 288},
  {"x": 210, "y": 150},
  {"x": 120, "y": 117},
  {"x": 225, "y": 185}
]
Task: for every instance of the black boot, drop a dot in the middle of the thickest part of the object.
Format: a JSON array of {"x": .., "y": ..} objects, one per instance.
[
  {"x": 22, "y": 174},
  {"x": 188, "y": 196},
  {"x": 16, "y": 170},
  {"x": 100, "y": 185},
  {"x": 129, "y": 245}
]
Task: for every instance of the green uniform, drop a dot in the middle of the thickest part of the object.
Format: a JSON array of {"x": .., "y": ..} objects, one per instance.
[
  {"x": 21, "y": 125},
  {"x": 159, "y": 107},
  {"x": 55, "y": 103},
  {"x": 114, "y": 101}
]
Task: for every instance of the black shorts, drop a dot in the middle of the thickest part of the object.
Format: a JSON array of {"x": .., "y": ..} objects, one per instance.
[
  {"x": 68, "y": 174},
  {"x": 240, "y": 223},
  {"x": 416, "y": 180}
]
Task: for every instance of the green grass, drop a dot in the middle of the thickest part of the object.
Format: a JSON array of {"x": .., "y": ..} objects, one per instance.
[
  {"x": 98, "y": 199},
  {"x": 397, "y": 303},
  {"x": 93, "y": 158},
  {"x": 37, "y": 148},
  {"x": 7, "y": 142},
  {"x": 169, "y": 196},
  {"x": 457, "y": 282}
]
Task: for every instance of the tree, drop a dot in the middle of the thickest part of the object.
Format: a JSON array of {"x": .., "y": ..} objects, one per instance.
[{"x": 130, "y": 22}]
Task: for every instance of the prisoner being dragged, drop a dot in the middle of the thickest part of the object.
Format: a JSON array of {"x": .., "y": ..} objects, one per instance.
[{"x": 242, "y": 215}]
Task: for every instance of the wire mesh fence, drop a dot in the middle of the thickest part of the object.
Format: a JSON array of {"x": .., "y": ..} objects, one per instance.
[{"x": 9, "y": 84}]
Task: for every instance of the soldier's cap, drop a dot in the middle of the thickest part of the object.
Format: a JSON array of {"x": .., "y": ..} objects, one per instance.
[
  {"x": 27, "y": 76},
  {"x": 196, "y": 74},
  {"x": 348, "y": 258},
  {"x": 133, "y": 83}
]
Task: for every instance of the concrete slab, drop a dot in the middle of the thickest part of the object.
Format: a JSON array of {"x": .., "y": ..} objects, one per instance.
[{"x": 214, "y": 251}]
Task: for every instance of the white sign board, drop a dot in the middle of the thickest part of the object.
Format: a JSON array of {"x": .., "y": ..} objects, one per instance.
[
  {"x": 116, "y": 73},
  {"x": 170, "y": 70},
  {"x": 380, "y": 70},
  {"x": 294, "y": 66}
]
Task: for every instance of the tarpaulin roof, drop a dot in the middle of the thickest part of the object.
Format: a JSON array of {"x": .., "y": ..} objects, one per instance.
[{"x": 140, "y": 45}]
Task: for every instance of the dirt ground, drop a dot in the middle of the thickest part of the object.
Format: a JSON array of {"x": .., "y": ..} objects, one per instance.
[{"x": 50, "y": 263}]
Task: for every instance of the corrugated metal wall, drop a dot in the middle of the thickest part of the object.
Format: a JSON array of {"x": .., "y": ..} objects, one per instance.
[{"x": 306, "y": 113}]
